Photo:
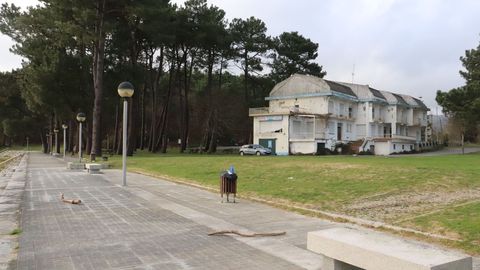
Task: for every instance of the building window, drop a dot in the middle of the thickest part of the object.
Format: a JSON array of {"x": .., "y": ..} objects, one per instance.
[
  {"x": 331, "y": 107},
  {"x": 411, "y": 147},
  {"x": 403, "y": 146},
  {"x": 373, "y": 112},
  {"x": 349, "y": 128},
  {"x": 394, "y": 146},
  {"x": 331, "y": 128},
  {"x": 350, "y": 112}
]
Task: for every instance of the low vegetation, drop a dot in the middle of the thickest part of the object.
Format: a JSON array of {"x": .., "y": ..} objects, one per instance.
[
  {"x": 16, "y": 231},
  {"x": 400, "y": 190}
]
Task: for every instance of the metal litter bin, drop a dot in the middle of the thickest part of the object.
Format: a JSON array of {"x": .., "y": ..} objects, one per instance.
[{"x": 228, "y": 185}]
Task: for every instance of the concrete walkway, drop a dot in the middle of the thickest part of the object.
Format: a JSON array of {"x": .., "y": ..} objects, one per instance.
[
  {"x": 444, "y": 152},
  {"x": 151, "y": 224},
  {"x": 12, "y": 185}
]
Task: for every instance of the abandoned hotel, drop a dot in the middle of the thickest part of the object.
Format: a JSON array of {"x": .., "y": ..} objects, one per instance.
[{"x": 311, "y": 115}]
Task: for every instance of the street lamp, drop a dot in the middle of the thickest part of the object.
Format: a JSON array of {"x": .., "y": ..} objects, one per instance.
[
  {"x": 64, "y": 126},
  {"x": 125, "y": 90},
  {"x": 56, "y": 142},
  {"x": 80, "y": 118}
]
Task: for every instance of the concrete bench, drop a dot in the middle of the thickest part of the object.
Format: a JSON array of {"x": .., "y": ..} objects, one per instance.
[
  {"x": 351, "y": 249},
  {"x": 93, "y": 167},
  {"x": 75, "y": 166}
]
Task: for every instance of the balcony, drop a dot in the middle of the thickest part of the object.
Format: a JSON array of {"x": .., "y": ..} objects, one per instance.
[
  {"x": 258, "y": 111},
  {"x": 393, "y": 136},
  {"x": 302, "y": 136},
  {"x": 345, "y": 117},
  {"x": 379, "y": 120},
  {"x": 419, "y": 122}
]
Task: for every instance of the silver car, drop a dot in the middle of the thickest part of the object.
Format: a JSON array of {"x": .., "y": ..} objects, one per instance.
[{"x": 254, "y": 149}]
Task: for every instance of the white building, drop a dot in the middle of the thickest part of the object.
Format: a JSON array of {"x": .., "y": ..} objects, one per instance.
[{"x": 307, "y": 115}]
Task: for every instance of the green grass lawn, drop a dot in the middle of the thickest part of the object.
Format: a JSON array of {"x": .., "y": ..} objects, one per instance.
[
  {"x": 341, "y": 183},
  {"x": 462, "y": 222}
]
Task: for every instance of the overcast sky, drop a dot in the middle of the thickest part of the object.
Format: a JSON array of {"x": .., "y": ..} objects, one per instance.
[{"x": 406, "y": 46}]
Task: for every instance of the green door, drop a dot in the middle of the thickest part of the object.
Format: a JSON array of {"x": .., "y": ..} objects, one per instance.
[{"x": 268, "y": 143}]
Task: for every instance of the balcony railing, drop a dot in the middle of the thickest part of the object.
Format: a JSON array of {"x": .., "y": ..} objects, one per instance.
[
  {"x": 419, "y": 122},
  {"x": 258, "y": 111},
  {"x": 393, "y": 136},
  {"x": 302, "y": 136}
]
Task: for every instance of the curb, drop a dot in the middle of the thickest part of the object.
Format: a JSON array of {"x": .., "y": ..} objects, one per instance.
[{"x": 308, "y": 211}]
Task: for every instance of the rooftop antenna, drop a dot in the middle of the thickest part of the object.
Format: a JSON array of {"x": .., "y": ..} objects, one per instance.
[{"x": 353, "y": 73}]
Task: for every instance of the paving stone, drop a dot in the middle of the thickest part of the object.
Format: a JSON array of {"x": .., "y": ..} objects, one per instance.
[
  {"x": 151, "y": 224},
  {"x": 115, "y": 229}
]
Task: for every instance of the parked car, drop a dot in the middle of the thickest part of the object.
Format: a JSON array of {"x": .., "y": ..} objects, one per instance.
[{"x": 254, "y": 149}]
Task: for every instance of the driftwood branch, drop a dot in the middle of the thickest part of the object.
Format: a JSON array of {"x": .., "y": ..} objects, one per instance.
[
  {"x": 247, "y": 235},
  {"x": 73, "y": 201}
]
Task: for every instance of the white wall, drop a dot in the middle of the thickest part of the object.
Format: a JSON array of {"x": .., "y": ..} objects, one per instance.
[
  {"x": 264, "y": 127},
  {"x": 398, "y": 147},
  {"x": 382, "y": 148},
  {"x": 318, "y": 105},
  {"x": 302, "y": 147}
]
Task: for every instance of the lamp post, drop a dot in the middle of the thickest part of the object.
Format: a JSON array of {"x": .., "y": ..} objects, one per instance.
[
  {"x": 27, "y": 143},
  {"x": 56, "y": 142},
  {"x": 125, "y": 90},
  {"x": 80, "y": 118},
  {"x": 64, "y": 126}
]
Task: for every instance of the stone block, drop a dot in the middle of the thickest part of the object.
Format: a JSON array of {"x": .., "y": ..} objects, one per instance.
[
  {"x": 93, "y": 167},
  {"x": 371, "y": 250},
  {"x": 75, "y": 166}
]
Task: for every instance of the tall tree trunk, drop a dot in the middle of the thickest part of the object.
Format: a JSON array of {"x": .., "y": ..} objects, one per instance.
[
  {"x": 131, "y": 126},
  {"x": 213, "y": 138},
  {"x": 98, "y": 66},
  {"x": 69, "y": 136},
  {"x": 58, "y": 135},
  {"x": 164, "y": 116},
  {"x": 87, "y": 134},
  {"x": 209, "y": 120},
  {"x": 186, "y": 114},
  {"x": 180, "y": 85},
  {"x": 142, "y": 118},
  {"x": 117, "y": 124},
  {"x": 118, "y": 146},
  {"x": 155, "y": 85},
  {"x": 245, "y": 58},
  {"x": 43, "y": 140},
  {"x": 51, "y": 127}
]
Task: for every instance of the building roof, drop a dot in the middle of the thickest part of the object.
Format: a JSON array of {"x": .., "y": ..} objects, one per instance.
[
  {"x": 421, "y": 104},
  {"x": 299, "y": 85},
  {"x": 340, "y": 88},
  {"x": 410, "y": 100},
  {"x": 400, "y": 100},
  {"x": 390, "y": 97},
  {"x": 377, "y": 93},
  {"x": 364, "y": 92}
]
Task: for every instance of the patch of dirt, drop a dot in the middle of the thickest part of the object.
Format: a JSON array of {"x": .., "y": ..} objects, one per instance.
[
  {"x": 396, "y": 207},
  {"x": 317, "y": 166},
  {"x": 436, "y": 228}
]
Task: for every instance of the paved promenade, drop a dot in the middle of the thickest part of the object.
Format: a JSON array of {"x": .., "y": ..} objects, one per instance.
[{"x": 151, "y": 224}]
